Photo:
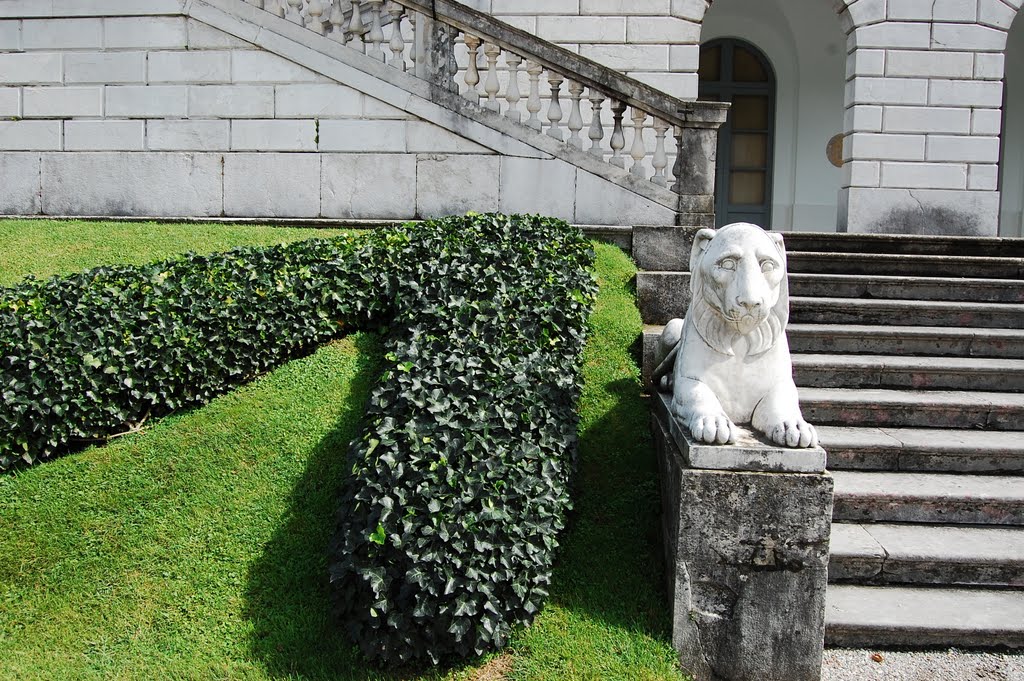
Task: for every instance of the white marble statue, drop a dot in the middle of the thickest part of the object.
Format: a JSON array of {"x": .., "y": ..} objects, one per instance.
[{"x": 728, "y": 361}]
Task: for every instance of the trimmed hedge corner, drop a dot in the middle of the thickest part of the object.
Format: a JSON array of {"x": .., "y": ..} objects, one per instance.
[{"x": 460, "y": 482}]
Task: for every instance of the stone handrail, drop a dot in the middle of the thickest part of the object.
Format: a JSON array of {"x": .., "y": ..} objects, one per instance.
[{"x": 458, "y": 49}]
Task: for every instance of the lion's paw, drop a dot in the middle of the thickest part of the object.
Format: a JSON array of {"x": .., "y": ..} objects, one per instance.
[
  {"x": 712, "y": 429},
  {"x": 794, "y": 433}
]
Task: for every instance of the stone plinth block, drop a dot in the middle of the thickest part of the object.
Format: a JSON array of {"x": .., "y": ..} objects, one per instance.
[{"x": 746, "y": 561}]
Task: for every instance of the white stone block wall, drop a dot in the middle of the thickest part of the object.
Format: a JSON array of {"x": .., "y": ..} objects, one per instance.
[
  {"x": 168, "y": 116},
  {"x": 923, "y": 96},
  {"x": 654, "y": 41}
]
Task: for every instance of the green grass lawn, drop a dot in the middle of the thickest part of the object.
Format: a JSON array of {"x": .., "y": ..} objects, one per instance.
[{"x": 198, "y": 549}]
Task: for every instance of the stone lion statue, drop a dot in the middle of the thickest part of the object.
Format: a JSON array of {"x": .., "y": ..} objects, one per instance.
[{"x": 728, "y": 361}]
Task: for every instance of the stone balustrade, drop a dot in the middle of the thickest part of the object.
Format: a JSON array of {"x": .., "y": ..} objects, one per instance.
[{"x": 587, "y": 109}]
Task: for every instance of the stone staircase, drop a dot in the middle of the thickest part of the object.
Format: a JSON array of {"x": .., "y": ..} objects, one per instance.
[{"x": 909, "y": 355}]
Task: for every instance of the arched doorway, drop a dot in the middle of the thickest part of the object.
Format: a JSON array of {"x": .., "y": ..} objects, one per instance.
[
  {"x": 735, "y": 71},
  {"x": 1011, "y": 162}
]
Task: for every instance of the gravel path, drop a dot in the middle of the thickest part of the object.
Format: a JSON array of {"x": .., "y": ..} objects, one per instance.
[{"x": 941, "y": 665}]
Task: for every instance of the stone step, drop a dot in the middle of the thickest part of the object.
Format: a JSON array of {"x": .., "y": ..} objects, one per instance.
[
  {"x": 831, "y": 262},
  {"x": 907, "y": 288},
  {"x": 869, "y": 616},
  {"x": 883, "y": 553},
  {"x": 906, "y": 312},
  {"x": 992, "y": 247},
  {"x": 881, "y": 371},
  {"x": 923, "y": 449},
  {"x": 945, "y": 498},
  {"x": 913, "y": 408},
  {"x": 945, "y": 341}
]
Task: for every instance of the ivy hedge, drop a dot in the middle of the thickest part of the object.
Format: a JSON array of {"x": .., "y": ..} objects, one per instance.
[{"x": 460, "y": 480}]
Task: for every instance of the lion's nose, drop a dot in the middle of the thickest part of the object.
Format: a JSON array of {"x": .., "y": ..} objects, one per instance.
[{"x": 748, "y": 304}]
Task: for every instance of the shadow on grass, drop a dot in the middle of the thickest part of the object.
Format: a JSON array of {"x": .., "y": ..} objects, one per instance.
[
  {"x": 611, "y": 567},
  {"x": 288, "y": 598}
]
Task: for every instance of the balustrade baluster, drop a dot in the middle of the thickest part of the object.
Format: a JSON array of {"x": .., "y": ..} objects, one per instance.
[
  {"x": 618, "y": 141},
  {"x": 638, "y": 151},
  {"x": 660, "y": 160},
  {"x": 575, "y": 115},
  {"x": 533, "y": 102},
  {"x": 472, "y": 76},
  {"x": 491, "y": 86},
  {"x": 677, "y": 167},
  {"x": 295, "y": 14},
  {"x": 512, "y": 95},
  {"x": 315, "y": 16},
  {"x": 555, "y": 80},
  {"x": 417, "y": 43},
  {"x": 356, "y": 28},
  {"x": 596, "y": 133},
  {"x": 397, "y": 44},
  {"x": 337, "y": 20},
  {"x": 376, "y": 34}
]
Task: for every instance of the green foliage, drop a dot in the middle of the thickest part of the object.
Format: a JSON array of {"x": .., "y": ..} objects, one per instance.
[
  {"x": 460, "y": 482},
  {"x": 90, "y": 355}
]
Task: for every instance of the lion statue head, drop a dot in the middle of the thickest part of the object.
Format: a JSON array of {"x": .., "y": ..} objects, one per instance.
[{"x": 739, "y": 290}]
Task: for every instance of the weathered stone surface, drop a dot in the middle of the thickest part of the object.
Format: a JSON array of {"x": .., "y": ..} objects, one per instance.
[
  {"x": 368, "y": 186},
  {"x": 19, "y": 177},
  {"x": 747, "y": 561},
  {"x": 454, "y": 184},
  {"x": 264, "y": 185},
  {"x": 531, "y": 185},
  {"x": 125, "y": 183},
  {"x": 750, "y": 451},
  {"x": 665, "y": 248},
  {"x": 599, "y": 201},
  {"x": 662, "y": 296}
]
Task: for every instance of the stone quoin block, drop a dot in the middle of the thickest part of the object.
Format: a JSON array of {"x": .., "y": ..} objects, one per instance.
[
  {"x": 968, "y": 36},
  {"x": 986, "y": 121},
  {"x": 265, "y": 67},
  {"x": 62, "y": 102},
  {"x": 929, "y": 63},
  {"x": 104, "y": 135},
  {"x": 865, "y": 63},
  {"x": 887, "y": 91},
  {"x": 317, "y": 100},
  {"x": 989, "y": 66},
  {"x": 983, "y": 177},
  {"x": 881, "y": 211},
  {"x": 273, "y": 135},
  {"x": 19, "y": 177},
  {"x": 530, "y": 185},
  {"x": 204, "y": 66},
  {"x": 863, "y": 118},
  {"x": 628, "y": 57},
  {"x": 196, "y": 135},
  {"x": 863, "y": 12},
  {"x": 147, "y": 101},
  {"x": 275, "y": 185},
  {"x": 863, "y": 146},
  {"x": 231, "y": 101},
  {"x": 926, "y": 119},
  {"x": 619, "y": 8},
  {"x": 125, "y": 183},
  {"x": 153, "y": 33},
  {"x": 664, "y": 30},
  {"x": 30, "y": 69},
  {"x": 996, "y": 13},
  {"x": 61, "y": 34},
  {"x": 10, "y": 36},
  {"x": 30, "y": 135},
  {"x": 104, "y": 67},
  {"x": 452, "y": 184},
  {"x": 368, "y": 186},
  {"x": 924, "y": 175},
  {"x": 962, "y": 148},
  {"x": 582, "y": 29},
  {"x": 693, "y": 10},
  {"x": 683, "y": 57},
  {"x": 973, "y": 93},
  {"x": 10, "y": 102},
  {"x": 892, "y": 35},
  {"x": 862, "y": 173}
]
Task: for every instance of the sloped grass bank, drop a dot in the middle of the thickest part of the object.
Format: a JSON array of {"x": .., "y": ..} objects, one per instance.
[{"x": 198, "y": 550}]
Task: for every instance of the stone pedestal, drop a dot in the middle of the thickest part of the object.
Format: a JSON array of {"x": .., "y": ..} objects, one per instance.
[{"x": 746, "y": 532}]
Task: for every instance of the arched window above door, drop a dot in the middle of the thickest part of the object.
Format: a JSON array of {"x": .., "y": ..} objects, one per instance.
[{"x": 735, "y": 71}]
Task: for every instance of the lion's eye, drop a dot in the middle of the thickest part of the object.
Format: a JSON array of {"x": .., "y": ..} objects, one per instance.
[
  {"x": 768, "y": 266},
  {"x": 728, "y": 264}
]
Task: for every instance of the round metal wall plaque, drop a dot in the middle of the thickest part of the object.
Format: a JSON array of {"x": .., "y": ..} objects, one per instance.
[{"x": 834, "y": 150}]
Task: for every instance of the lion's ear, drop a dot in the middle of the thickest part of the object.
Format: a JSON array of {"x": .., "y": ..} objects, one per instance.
[{"x": 701, "y": 240}]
